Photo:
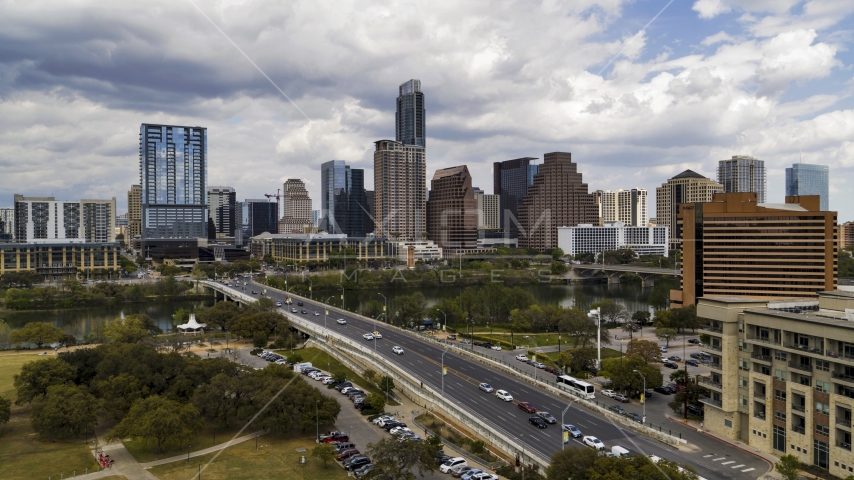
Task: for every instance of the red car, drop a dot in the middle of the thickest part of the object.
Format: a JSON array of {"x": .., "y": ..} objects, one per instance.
[
  {"x": 527, "y": 407},
  {"x": 340, "y": 437},
  {"x": 347, "y": 453}
]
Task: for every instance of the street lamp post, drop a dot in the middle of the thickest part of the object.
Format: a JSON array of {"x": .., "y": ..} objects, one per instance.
[
  {"x": 317, "y": 418},
  {"x": 644, "y": 395},
  {"x": 443, "y": 372},
  {"x": 310, "y": 293},
  {"x": 562, "y": 443},
  {"x": 446, "y": 317},
  {"x": 342, "y": 298},
  {"x": 598, "y": 314},
  {"x": 325, "y": 314},
  {"x": 535, "y": 347},
  {"x": 385, "y": 307}
]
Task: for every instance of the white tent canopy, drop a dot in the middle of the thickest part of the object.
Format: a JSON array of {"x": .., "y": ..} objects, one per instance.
[{"x": 192, "y": 325}]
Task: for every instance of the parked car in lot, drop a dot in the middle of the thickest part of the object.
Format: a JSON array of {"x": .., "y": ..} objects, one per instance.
[
  {"x": 527, "y": 407},
  {"x": 363, "y": 470},
  {"x": 547, "y": 417},
  {"x": 617, "y": 409},
  {"x": 348, "y": 453},
  {"x": 694, "y": 341},
  {"x": 485, "y": 387},
  {"x": 675, "y": 358},
  {"x": 573, "y": 431},
  {"x": 538, "y": 422},
  {"x": 356, "y": 462},
  {"x": 696, "y": 355},
  {"x": 693, "y": 363},
  {"x": 593, "y": 442},
  {"x": 621, "y": 398},
  {"x": 451, "y": 463},
  {"x": 664, "y": 390},
  {"x": 695, "y": 410},
  {"x": 459, "y": 470},
  {"x": 504, "y": 395},
  {"x": 341, "y": 321},
  {"x": 608, "y": 393},
  {"x": 521, "y": 357},
  {"x": 634, "y": 416},
  {"x": 471, "y": 473},
  {"x": 671, "y": 365},
  {"x": 343, "y": 385}
]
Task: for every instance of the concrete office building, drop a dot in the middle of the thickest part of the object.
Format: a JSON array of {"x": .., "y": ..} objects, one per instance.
[
  {"x": 488, "y": 210},
  {"x": 61, "y": 259},
  {"x": 371, "y": 213},
  {"x": 626, "y": 206},
  {"x": 782, "y": 375},
  {"x": 43, "y": 220},
  {"x": 315, "y": 217},
  {"x": 846, "y": 234},
  {"x": 318, "y": 247},
  {"x": 743, "y": 173},
  {"x": 410, "y": 115},
  {"x": 260, "y": 217},
  {"x": 400, "y": 186},
  {"x": 734, "y": 245},
  {"x": 222, "y": 202},
  {"x": 173, "y": 175},
  {"x": 687, "y": 187},
  {"x": 809, "y": 179},
  {"x": 452, "y": 210},
  {"x": 557, "y": 198},
  {"x": 296, "y": 215},
  {"x": 510, "y": 181},
  {"x": 134, "y": 212},
  {"x": 613, "y": 236},
  {"x": 343, "y": 199}
]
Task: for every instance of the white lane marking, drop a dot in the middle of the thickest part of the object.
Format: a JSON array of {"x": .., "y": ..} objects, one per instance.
[
  {"x": 727, "y": 463},
  {"x": 718, "y": 459},
  {"x": 709, "y": 455},
  {"x": 748, "y": 470},
  {"x": 738, "y": 466}
]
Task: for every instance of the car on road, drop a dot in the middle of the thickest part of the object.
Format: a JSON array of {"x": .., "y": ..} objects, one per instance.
[
  {"x": 378, "y": 335},
  {"x": 299, "y": 304},
  {"x": 547, "y": 417},
  {"x": 609, "y": 393},
  {"x": 617, "y": 409},
  {"x": 539, "y": 365},
  {"x": 496, "y": 347},
  {"x": 573, "y": 431},
  {"x": 634, "y": 416},
  {"x": 664, "y": 390},
  {"x": 538, "y": 422},
  {"x": 621, "y": 398},
  {"x": 397, "y": 350},
  {"x": 341, "y": 321},
  {"x": 693, "y": 363},
  {"x": 485, "y": 387},
  {"x": 254, "y": 292},
  {"x": 521, "y": 358},
  {"x": 593, "y": 442},
  {"x": 451, "y": 463},
  {"x": 278, "y": 304},
  {"x": 504, "y": 395},
  {"x": 293, "y": 310},
  {"x": 317, "y": 314},
  {"x": 694, "y": 341},
  {"x": 303, "y": 311},
  {"x": 368, "y": 336},
  {"x": 465, "y": 341},
  {"x": 647, "y": 393},
  {"x": 526, "y": 406},
  {"x": 671, "y": 365}
]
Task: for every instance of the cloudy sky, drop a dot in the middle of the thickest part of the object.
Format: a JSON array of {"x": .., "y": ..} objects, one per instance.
[{"x": 637, "y": 90}]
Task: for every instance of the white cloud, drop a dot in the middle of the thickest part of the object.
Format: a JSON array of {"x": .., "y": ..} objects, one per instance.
[
  {"x": 710, "y": 8},
  {"x": 718, "y": 38}
]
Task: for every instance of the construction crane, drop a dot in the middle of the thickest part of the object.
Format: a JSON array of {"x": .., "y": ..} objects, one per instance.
[{"x": 277, "y": 196}]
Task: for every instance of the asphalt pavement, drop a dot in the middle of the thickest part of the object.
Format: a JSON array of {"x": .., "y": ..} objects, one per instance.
[{"x": 423, "y": 360}]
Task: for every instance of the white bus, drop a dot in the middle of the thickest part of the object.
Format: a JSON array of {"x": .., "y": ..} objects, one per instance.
[{"x": 580, "y": 387}]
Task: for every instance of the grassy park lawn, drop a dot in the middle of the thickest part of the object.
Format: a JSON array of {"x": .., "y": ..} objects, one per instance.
[
  {"x": 22, "y": 454},
  {"x": 320, "y": 359},
  {"x": 276, "y": 457},
  {"x": 144, "y": 451}
]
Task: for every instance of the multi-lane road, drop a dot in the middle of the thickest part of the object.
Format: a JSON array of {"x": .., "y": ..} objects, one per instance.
[{"x": 422, "y": 359}]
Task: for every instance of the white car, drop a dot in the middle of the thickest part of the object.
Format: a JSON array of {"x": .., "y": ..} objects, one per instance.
[
  {"x": 378, "y": 335},
  {"x": 368, "y": 336},
  {"x": 496, "y": 347},
  {"x": 593, "y": 442},
  {"x": 328, "y": 380},
  {"x": 397, "y": 350},
  {"x": 451, "y": 463},
  {"x": 521, "y": 357},
  {"x": 609, "y": 393},
  {"x": 381, "y": 419},
  {"x": 316, "y": 314},
  {"x": 399, "y": 430},
  {"x": 322, "y": 377},
  {"x": 341, "y": 321},
  {"x": 504, "y": 395}
]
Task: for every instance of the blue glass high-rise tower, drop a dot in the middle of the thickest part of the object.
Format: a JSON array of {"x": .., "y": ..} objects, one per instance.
[
  {"x": 809, "y": 179},
  {"x": 410, "y": 115},
  {"x": 173, "y": 163}
]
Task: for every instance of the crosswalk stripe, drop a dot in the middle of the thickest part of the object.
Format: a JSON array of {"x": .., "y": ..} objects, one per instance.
[
  {"x": 738, "y": 466},
  {"x": 748, "y": 470},
  {"x": 727, "y": 463}
]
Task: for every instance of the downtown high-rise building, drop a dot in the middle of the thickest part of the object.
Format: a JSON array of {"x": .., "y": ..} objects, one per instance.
[
  {"x": 488, "y": 210},
  {"x": 511, "y": 180},
  {"x": 222, "y": 202},
  {"x": 47, "y": 220},
  {"x": 400, "y": 189},
  {"x": 134, "y": 213},
  {"x": 343, "y": 199},
  {"x": 410, "y": 122},
  {"x": 296, "y": 203},
  {"x": 687, "y": 187},
  {"x": 173, "y": 176},
  {"x": 260, "y": 215},
  {"x": 452, "y": 210},
  {"x": 626, "y": 206},
  {"x": 809, "y": 179},
  {"x": 743, "y": 173},
  {"x": 558, "y": 197},
  {"x": 7, "y": 223}
]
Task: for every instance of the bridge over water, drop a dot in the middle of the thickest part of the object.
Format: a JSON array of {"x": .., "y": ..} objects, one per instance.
[{"x": 613, "y": 273}]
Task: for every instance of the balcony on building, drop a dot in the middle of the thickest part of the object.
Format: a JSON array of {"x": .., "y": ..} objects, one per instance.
[
  {"x": 759, "y": 410},
  {"x": 843, "y": 417},
  {"x": 844, "y": 375},
  {"x": 762, "y": 369},
  {"x": 713, "y": 327},
  {"x": 802, "y": 365},
  {"x": 799, "y": 402},
  {"x": 714, "y": 400},
  {"x": 713, "y": 381},
  {"x": 763, "y": 335},
  {"x": 799, "y": 424},
  {"x": 804, "y": 343},
  {"x": 759, "y": 391},
  {"x": 761, "y": 354}
]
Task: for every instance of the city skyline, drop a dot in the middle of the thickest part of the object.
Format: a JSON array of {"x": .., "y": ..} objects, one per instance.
[{"x": 637, "y": 107}]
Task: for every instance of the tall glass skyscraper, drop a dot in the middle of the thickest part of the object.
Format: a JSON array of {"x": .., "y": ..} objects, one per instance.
[
  {"x": 743, "y": 173},
  {"x": 809, "y": 179},
  {"x": 410, "y": 115},
  {"x": 511, "y": 179},
  {"x": 343, "y": 199},
  {"x": 173, "y": 175}
]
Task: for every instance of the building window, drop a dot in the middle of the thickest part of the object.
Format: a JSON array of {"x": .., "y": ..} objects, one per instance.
[
  {"x": 822, "y": 430},
  {"x": 779, "y": 438},
  {"x": 822, "y": 408},
  {"x": 728, "y": 423},
  {"x": 743, "y": 382},
  {"x": 822, "y": 386},
  {"x": 778, "y": 355},
  {"x": 779, "y": 395},
  {"x": 780, "y": 375},
  {"x": 778, "y": 415},
  {"x": 821, "y": 454},
  {"x": 805, "y": 381},
  {"x": 822, "y": 365}
]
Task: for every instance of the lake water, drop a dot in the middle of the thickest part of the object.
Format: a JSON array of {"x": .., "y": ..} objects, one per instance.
[{"x": 80, "y": 322}]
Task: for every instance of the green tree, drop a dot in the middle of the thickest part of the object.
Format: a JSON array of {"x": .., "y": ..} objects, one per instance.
[
  {"x": 65, "y": 411},
  {"x": 410, "y": 308},
  {"x": 641, "y": 317},
  {"x": 789, "y": 467},
  {"x": 219, "y": 315},
  {"x": 265, "y": 304},
  {"x": 400, "y": 460},
  {"x": 624, "y": 376},
  {"x": 131, "y": 329},
  {"x": 5, "y": 332},
  {"x": 630, "y": 328},
  {"x": 37, "y": 376},
  {"x": 680, "y": 376},
  {"x": 259, "y": 339},
  {"x": 38, "y": 333},
  {"x": 571, "y": 463},
  {"x": 159, "y": 419},
  {"x": 120, "y": 392},
  {"x": 644, "y": 349},
  {"x": 557, "y": 253},
  {"x": 5, "y": 410},
  {"x": 386, "y": 383},
  {"x": 324, "y": 452},
  {"x": 557, "y": 267},
  {"x": 221, "y": 400},
  {"x": 372, "y": 309},
  {"x": 376, "y": 401},
  {"x": 666, "y": 334},
  {"x": 180, "y": 317}
]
